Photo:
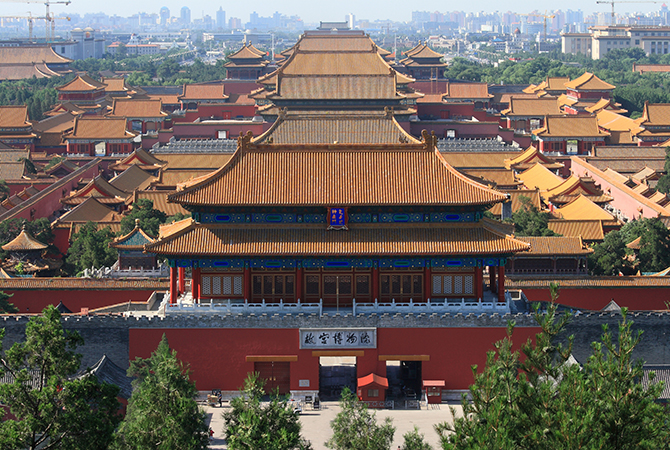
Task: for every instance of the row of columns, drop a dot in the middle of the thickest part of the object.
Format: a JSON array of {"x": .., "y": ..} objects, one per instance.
[{"x": 178, "y": 282}]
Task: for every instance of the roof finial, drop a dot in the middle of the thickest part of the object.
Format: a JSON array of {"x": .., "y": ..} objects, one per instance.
[{"x": 137, "y": 223}]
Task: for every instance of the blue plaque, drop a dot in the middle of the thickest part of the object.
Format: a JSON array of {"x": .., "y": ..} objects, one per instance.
[{"x": 337, "y": 218}]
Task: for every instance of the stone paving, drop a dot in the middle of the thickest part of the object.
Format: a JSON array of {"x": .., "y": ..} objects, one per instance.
[{"x": 316, "y": 424}]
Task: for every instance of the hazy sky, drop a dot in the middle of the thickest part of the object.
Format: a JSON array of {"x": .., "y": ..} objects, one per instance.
[{"x": 313, "y": 11}]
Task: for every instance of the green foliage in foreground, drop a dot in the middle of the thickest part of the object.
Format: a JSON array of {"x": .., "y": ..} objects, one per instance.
[
  {"x": 413, "y": 440},
  {"x": 90, "y": 248},
  {"x": 251, "y": 425},
  {"x": 53, "y": 409},
  {"x": 542, "y": 401},
  {"x": 162, "y": 412},
  {"x": 356, "y": 428}
]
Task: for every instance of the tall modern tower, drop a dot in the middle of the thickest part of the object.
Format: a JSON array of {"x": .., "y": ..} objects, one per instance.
[
  {"x": 185, "y": 16},
  {"x": 164, "y": 15},
  {"x": 220, "y": 18}
]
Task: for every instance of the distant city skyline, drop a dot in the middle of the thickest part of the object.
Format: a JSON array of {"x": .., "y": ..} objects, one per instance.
[{"x": 327, "y": 11}]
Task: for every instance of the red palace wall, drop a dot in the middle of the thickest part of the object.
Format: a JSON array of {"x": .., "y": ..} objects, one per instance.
[
  {"x": 34, "y": 301},
  {"x": 218, "y": 357},
  {"x": 595, "y": 299}
]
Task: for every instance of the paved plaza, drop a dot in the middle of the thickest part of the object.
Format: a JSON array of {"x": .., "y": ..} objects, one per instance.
[{"x": 316, "y": 424}]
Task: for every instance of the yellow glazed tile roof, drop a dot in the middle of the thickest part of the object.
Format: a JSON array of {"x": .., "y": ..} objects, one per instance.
[
  {"x": 589, "y": 82},
  {"x": 539, "y": 177},
  {"x": 584, "y": 209},
  {"x": 588, "y": 230},
  {"x": 555, "y": 245}
]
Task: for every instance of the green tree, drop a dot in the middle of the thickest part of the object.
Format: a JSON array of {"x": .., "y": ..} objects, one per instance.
[
  {"x": 608, "y": 256},
  {"x": 542, "y": 401},
  {"x": 5, "y": 305},
  {"x": 413, "y": 440},
  {"x": 150, "y": 218},
  {"x": 162, "y": 412},
  {"x": 4, "y": 190},
  {"x": 90, "y": 248},
  {"x": 356, "y": 428},
  {"x": 529, "y": 221},
  {"x": 654, "y": 254},
  {"x": 250, "y": 425},
  {"x": 54, "y": 410}
]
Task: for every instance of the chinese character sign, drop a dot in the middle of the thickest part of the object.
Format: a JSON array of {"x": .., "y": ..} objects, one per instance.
[
  {"x": 320, "y": 338},
  {"x": 337, "y": 217}
]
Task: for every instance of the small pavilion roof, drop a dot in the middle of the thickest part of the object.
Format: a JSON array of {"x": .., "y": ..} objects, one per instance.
[
  {"x": 589, "y": 230},
  {"x": 583, "y": 208},
  {"x": 423, "y": 51},
  {"x": 344, "y": 127},
  {"x": 14, "y": 116},
  {"x": 635, "y": 244},
  {"x": 24, "y": 242},
  {"x": 81, "y": 83},
  {"x": 328, "y": 175},
  {"x": 539, "y": 177},
  {"x": 248, "y": 51},
  {"x": 373, "y": 378},
  {"x": 555, "y": 246},
  {"x": 95, "y": 127},
  {"x": 135, "y": 240},
  {"x": 589, "y": 82},
  {"x": 107, "y": 372},
  {"x": 137, "y": 108},
  {"x": 578, "y": 126},
  {"x": 532, "y": 107}
]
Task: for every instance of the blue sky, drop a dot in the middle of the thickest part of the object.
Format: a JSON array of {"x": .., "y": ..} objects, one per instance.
[{"x": 313, "y": 11}]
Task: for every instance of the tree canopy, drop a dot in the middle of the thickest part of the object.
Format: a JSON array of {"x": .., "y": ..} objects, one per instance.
[
  {"x": 545, "y": 401},
  {"x": 530, "y": 221},
  {"x": 356, "y": 428},
  {"x": 90, "y": 248},
  {"x": 162, "y": 412},
  {"x": 150, "y": 219},
  {"x": 251, "y": 425},
  {"x": 54, "y": 409}
]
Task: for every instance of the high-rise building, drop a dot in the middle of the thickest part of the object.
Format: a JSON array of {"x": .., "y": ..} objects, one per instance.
[
  {"x": 185, "y": 15},
  {"x": 235, "y": 23},
  {"x": 351, "y": 20},
  {"x": 164, "y": 15},
  {"x": 220, "y": 18}
]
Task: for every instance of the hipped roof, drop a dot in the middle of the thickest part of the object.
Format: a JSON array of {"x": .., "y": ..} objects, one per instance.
[
  {"x": 24, "y": 242},
  {"x": 331, "y": 175}
]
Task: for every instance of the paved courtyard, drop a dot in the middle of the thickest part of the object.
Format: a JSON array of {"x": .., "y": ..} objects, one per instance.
[{"x": 316, "y": 424}]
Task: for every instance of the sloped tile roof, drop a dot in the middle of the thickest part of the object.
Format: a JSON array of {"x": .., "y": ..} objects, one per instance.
[
  {"x": 132, "y": 178},
  {"x": 12, "y": 170},
  {"x": 578, "y": 126},
  {"x": 655, "y": 114},
  {"x": 539, "y": 177},
  {"x": 13, "y": 155},
  {"x": 499, "y": 177},
  {"x": 24, "y": 242},
  {"x": 135, "y": 240},
  {"x": 159, "y": 199},
  {"x": 532, "y": 107},
  {"x": 589, "y": 82},
  {"x": 94, "y": 127},
  {"x": 589, "y": 230},
  {"x": 554, "y": 245},
  {"x": 194, "y": 161},
  {"x": 128, "y": 107},
  {"x": 629, "y": 152},
  {"x": 14, "y": 116},
  {"x": 29, "y": 55},
  {"x": 115, "y": 84},
  {"x": 612, "y": 121},
  {"x": 583, "y": 208},
  {"x": 203, "y": 92},
  {"x": 97, "y": 187},
  {"x": 81, "y": 83},
  {"x": 467, "y": 91},
  {"x": 529, "y": 157},
  {"x": 464, "y": 239},
  {"x": 573, "y": 185},
  {"x": 248, "y": 51},
  {"x": 55, "y": 124},
  {"x": 337, "y": 175},
  {"x": 89, "y": 210},
  {"x": 478, "y": 160},
  {"x": 329, "y": 127},
  {"x": 423, "y": 51}
]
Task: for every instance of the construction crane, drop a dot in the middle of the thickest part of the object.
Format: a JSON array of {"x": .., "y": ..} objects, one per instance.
[
  {"x": 30, "y": 19},
  {"x": 545, "y": 16},
  {"x": 53, "y": 20},
  {"x": 612, "y": 2},
  {"x": 47, "y": 15}
]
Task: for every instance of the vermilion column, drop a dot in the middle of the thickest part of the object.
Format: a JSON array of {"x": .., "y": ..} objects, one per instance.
[
  {"x": 427, "y": 283},
  {"x": 492, "y": 278},
  {"x": 375, "y": 283},
  {"x": 501, "y": 284},
  {"x": 195, "y": 283},
  {"x": 246, "y": 290},
  {"x": 182, "y": 279},
  {"x": 479, "y": 280},
  {"x": 298, "y": 284},
  {"x": 173, "y": 285}
]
